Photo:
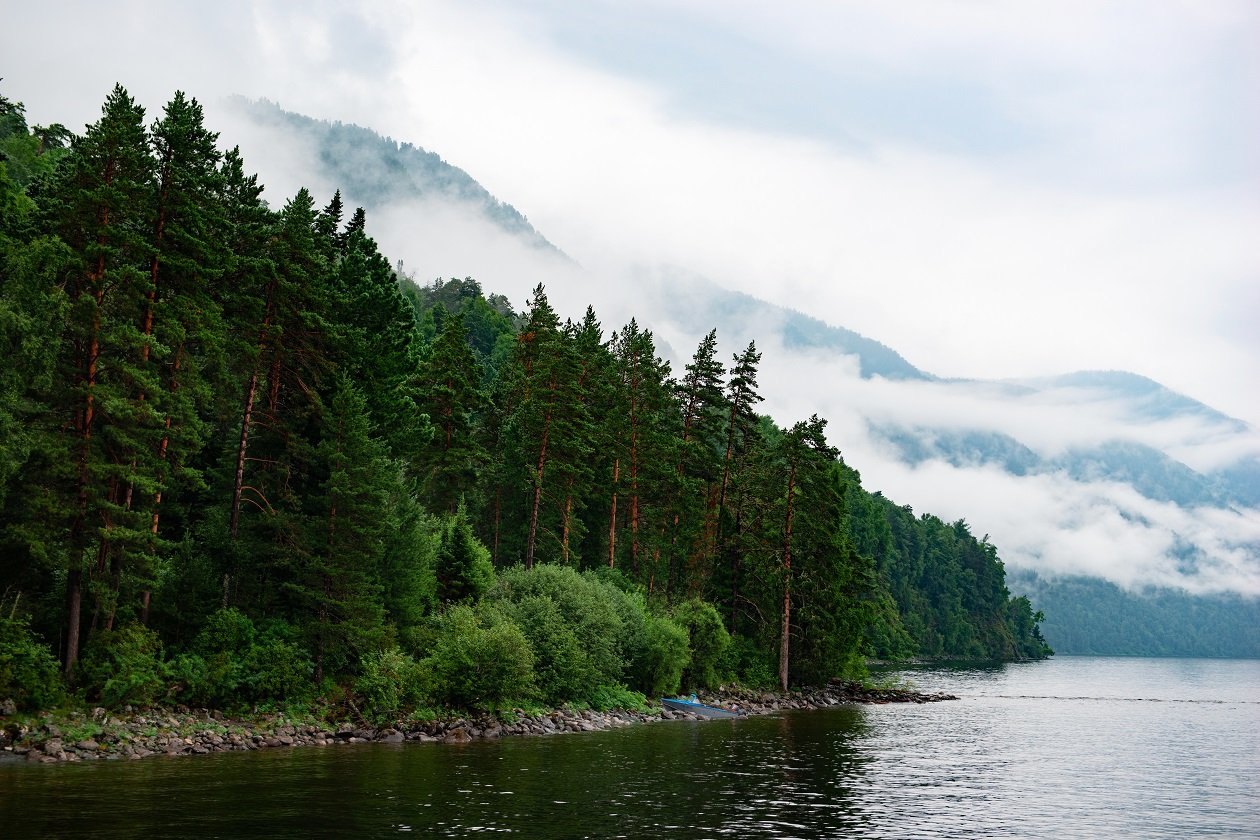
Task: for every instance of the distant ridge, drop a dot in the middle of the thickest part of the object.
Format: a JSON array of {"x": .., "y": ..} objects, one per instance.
[{"x": 372, "y": 170}]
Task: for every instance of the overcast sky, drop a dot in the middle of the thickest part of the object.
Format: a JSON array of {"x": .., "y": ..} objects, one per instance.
[{"x": 993, "y": 189}]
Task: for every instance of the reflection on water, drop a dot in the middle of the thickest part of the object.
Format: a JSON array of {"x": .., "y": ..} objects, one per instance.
[{"x": 1044, "y": 750}]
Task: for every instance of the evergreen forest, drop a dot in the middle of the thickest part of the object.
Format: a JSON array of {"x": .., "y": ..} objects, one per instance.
[{"x": 244, "y": 462}]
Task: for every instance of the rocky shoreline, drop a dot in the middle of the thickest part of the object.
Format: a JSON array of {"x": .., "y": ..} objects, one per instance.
[{"x": 110, "y": 736}]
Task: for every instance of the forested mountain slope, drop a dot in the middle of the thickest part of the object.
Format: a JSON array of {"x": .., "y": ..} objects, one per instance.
[{"x": 245, "y": 461}]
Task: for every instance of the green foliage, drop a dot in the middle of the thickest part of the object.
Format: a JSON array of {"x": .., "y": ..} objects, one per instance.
[
  {"x": 29, "y": 674},
  {"x": 658, "y": 669},
  {"x": 124, "y": 667},
  {"x": 277, "y": 670},
  {"x": 388, "y": 685},
  {"x": 562, "y": 669},
  {"x": 707, "y": 639},
  {"x": 585, "y": 605},
  {"x": 462, "y": 567},
  {"x": 479, "y": 659},
  {"x": 607, "y": 697},
  {"x": 749, "y": 663}
]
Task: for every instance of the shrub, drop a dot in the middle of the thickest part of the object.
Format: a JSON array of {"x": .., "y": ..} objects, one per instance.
[
  {"x": 607, "y": 697},
  {"x": 563, "y": 670},
  {"x": 277, "y": 670},
  {"x": 387, "y": 686},
  {"x": 479, "y": 658},
  {"x": 750, "y": 665},
  {"x": 664, "y": 655},
  {"x": 124, "y": 666},
  {"x": 708, "y": 640},
  {"x": 189, "y": 680},
  {"x": 227, "y": 631},
  {"x": 588, "y": 606},
  {"x": 29, "y": 673}
]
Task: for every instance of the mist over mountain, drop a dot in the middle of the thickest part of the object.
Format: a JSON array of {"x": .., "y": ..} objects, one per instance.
[
  {"x": 374, "y": 171},
  {"x": 1090, "y": 474}
]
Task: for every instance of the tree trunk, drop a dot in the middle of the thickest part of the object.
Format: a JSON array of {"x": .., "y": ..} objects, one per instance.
[
  {"x": 239, "y": 483},
  {"x": 786, "y": 633},
  {"x": 538, "y": 485},
  {"x": 74, "y": 608},
  {"x": 612, "y": 516}
]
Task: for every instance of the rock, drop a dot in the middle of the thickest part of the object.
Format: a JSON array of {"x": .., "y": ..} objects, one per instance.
[
  {"x": 88, "y": 744},
  {"x": 8, "y": 707},
  {"x": 391, "y": 736}
]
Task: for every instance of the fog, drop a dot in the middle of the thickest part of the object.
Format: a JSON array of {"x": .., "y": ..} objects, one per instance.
[{"x": 999, "y": 193}]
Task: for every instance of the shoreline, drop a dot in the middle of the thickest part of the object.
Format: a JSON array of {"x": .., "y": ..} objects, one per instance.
[{"x": 105, "y": 736}]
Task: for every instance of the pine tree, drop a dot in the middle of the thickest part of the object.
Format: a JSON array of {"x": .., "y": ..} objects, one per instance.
[
  {"x": 741, "y": 430},
  {"x": 99, "y": 206},
  {"x": 451, "y": 461},
  {"x": 182, "y": 322},
  {"x": 338, "y": 584},
  {"x": 703, "y": 408}
]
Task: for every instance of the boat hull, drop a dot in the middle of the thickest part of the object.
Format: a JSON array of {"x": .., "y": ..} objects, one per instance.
[{"x": 698, "y": 708}]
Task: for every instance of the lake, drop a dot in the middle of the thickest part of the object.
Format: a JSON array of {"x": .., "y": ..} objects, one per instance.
[{"x": 1071, "y": 747}]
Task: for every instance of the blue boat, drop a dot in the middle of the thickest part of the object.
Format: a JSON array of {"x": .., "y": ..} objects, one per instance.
[{"x": 697, "y": 708}]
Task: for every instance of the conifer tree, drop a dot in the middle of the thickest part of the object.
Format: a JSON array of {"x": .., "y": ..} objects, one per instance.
[
  {"x": 703, "y": 406},
  {"x": 98, "y": 204},
  {"x": 338, "y": 584},
  {"x": 451, "y": 460}
]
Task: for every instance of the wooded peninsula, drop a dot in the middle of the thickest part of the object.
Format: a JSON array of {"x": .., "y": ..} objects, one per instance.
[{"x": 247, "y": 463}]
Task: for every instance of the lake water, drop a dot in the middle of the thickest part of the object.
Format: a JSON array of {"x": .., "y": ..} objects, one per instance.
[{"x": 1072, "y": 747}]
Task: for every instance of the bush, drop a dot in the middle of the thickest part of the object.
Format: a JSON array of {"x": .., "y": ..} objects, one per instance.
[
  {"x": 664, "y": 655},
  {"x": 606, "y": 697},
  {"x": 388, "y": 685},
  {"x": 563, "y": 670},
  {"x": 708, "y": 640},
  {"x": 277, "y": 670},
  {"x": 189, "y": 680},
  {"x": 589, "y": 607},
  {"x": 124, "y": 667},
  {"x": 227, "y": 631},
  {"x": 29, "y": 673},
  {"x": 479, "y": 658},
  {"x": 749, "y": 664}
]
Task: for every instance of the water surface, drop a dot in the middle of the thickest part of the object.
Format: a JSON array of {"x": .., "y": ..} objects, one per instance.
[{"x": 1073, "y": 747}]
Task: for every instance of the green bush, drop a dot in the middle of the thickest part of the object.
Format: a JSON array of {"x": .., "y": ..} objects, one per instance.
[
  {"x": 189, "y": 680},
  {"x": 479, "y": 658},
  {"x": 563, "y": 670},
  {"x": 708, "y": 641},
  {"x": 277, "y": 670},
  {"x": 227, "y": 631},
  {"x": 29, "y": 673},
  {"x": 123, "y": 667},
  {"x": 387, "y": 686},
  {"x": 590, "y": 608},
  {"x": 659, "y": 666},
  {"x": 606, "y": 697}
]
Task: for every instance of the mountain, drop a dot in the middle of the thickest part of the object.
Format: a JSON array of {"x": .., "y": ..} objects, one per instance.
[
  {"x": 374, "y": 171},
  {"x": 1093, "y": 474},
  {"x": 1087, "y": 616}
]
